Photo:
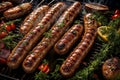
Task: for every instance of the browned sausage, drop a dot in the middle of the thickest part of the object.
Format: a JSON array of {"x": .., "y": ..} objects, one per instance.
[
  {"x": 68, "y": 39},
  {"x": 81, "y": 50},
  {"x": 39, "y": 52},
  {"x": 111, "y": 69},
  {"x": 18, "y": 11},
  {"x": 5, "y": 5},
  {"x": 96, "y": 7},
  {"x": 32, "y": 19},
  {"x": 34, "y": 35}
]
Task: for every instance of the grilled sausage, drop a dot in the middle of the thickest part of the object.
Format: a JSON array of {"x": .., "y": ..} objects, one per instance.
[
  {"x": 35, "y": 34},
  {"x": 32, "y": 19},
  {"x": 5, "y": 5},
  {"x": 81, "y": 50},
  {"x": 17, "y": 11},
  {"x": 39, "y": 52},
  {"x": 68, "y": 39},
  {"x": 111, "y": 69},
  {"x": 96, "y": 7}
]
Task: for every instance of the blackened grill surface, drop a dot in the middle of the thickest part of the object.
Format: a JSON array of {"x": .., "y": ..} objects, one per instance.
[{"x": 19, "y": 74}]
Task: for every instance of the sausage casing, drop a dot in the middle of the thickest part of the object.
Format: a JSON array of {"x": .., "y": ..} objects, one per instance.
[
  {"x": 35, "y": 34},
  {"x": 69, "y": 38},
  {"x": 32, "y": 19},
  {"x": 39, "y": 52},
  {"x": 81, "y": 50},
  {"x": 5, "y": 5},
  {"x": 18, "y": 11}
]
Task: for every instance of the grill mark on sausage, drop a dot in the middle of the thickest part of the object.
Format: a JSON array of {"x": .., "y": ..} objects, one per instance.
[
  {"x": 34, "y": 35},
  {"x": 55, "y": 33},
  {"x": 73, "y": 61}
]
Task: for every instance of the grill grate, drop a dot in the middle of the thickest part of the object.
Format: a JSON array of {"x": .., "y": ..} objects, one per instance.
[{"x": 19, "y": 74}]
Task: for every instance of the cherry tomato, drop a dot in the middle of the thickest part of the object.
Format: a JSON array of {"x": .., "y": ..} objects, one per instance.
[
  {"x": 12, "y": 26},
  {"x": 3, "y": 34},
  {"x": 115, "y": 16},
  {"x": 44, "y": 68},
  {"x": 8, "y": 28},
  {"x": 117, "y": 11},
  {"x": 41, "y": 67}
]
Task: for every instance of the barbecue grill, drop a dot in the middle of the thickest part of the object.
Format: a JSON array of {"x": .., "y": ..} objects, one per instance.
[{"x": 18, "y": 74}]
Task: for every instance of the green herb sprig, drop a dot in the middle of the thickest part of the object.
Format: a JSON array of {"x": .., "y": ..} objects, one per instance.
[
  {"x": 9, "y": 40},
  {"x": 48, "y": 34},
  {"x": 61, "y": 24}
]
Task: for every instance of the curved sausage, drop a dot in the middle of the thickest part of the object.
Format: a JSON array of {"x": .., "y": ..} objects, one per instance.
[
  {"x": 32, "y": 19},
  {"x": 34, "y": 35},
  {"x": 32, "y": 61},
  {"x": 69, "y": 38},
  {"x": 5, "y": 5},
  {"x": 81, "y": 50},
  {"x": 17, "y": 11}
]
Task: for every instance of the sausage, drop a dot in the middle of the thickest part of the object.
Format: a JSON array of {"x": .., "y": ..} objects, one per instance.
[
  {"x": 32, "y": 19},
  {"x": 34, "y": 35},
  {"x": 69, "y": 38},
  {"x": 73, "y": 61},
  {"x": 96, "y": 7},
  {"x": 18, "y": 11},
  {"x": 32, "y": 61},
  {"x": 111, "y": 69},
  {"x": 5, "y": 5}
]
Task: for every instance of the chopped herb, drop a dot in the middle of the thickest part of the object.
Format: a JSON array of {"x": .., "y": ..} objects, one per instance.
[
  {"x": 77, "y": 22},
  {"x": 74, "y": 32},
  {"x": 25, "y": 43},
  {"x": 48, "y": 34},
  {"x": 41, "y": 26},
  {"x": 62, "y": 24},
  {"x": 32, "y": 32}
]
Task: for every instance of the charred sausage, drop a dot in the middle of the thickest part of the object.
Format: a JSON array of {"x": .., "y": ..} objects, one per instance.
[
  {"x": 81, "y": 50},
  {"x": 5, "y": 5},
  {"x": 18, "y": 11},
  {"x": 33, "y": 18},
  {"x": 69, "y": 38},
  {"x": 32, "y": 61},
  {"x": 30, "y": 39}
]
